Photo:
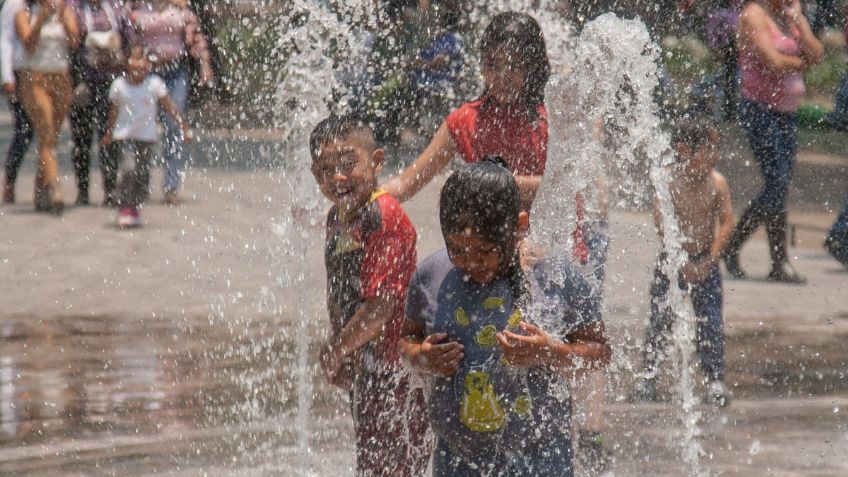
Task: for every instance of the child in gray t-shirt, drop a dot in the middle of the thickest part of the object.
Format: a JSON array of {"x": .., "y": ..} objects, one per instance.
[{"x": 496, "y": 334}]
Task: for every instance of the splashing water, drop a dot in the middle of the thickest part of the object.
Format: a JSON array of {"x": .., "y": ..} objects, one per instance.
[
  {"x": 603, "y": 126},
  {"x": 303, "y": 95},
  {"x": 606, "y": 137}
]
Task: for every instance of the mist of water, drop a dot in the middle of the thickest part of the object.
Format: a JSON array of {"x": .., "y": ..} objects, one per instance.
[
  {"x": 607, "y": 145},
  {"x": 605, "y": 135}
]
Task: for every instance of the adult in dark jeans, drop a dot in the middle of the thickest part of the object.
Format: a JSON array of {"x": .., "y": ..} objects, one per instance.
[
  {"x": 775, "y": 47},
  {"x": 836, "y": 242},
  {"x": 10, "y": 51},
  {"x": 104, "y": 36}
]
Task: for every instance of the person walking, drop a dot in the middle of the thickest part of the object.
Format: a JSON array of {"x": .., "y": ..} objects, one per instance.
[
  {"x": 775, "y": 46},
  {"x": 104, "y": 36},
  {"x": 11, "y": 53},
  {"x": 172, "y": 35},
  {"x": 48, "y": 31}
]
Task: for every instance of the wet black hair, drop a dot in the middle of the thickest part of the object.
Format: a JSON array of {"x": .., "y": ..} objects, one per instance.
[
  {"x": 482, "y": 196},
  {"x": 521, "y": 33},
  {"x": 449, "y": 13},
  {"x": 693, "y": 131},
  {"x": 335, "y": 127}
]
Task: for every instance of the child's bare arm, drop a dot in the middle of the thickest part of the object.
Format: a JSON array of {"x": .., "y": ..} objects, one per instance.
[
  {"x": 658, "y": 215},
  {"x": 585, "y": 347},
  {"x": 365, "y": 325},
  {"x": 110, "y": 125},
  {"x": 724, "y": 207},
  {"x": 169, "y": 107},
  {"x": 435, "y": 157},
  {"x": 428, "y": 354}
]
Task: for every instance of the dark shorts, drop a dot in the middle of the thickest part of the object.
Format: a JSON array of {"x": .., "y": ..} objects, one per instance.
[{"x": 391, "y": 424}]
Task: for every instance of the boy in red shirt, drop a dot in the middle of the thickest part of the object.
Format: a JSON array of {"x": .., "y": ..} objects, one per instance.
[{"x": 370, "y": 257}]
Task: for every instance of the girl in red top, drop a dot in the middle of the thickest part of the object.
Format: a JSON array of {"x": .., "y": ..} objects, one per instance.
[{"x": 508, "y": 120}]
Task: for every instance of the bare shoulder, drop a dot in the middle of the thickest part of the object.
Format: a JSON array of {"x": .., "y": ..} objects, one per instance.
[
  {"x": 752, "y": 11},
  {"x": 753, "y": 15}
]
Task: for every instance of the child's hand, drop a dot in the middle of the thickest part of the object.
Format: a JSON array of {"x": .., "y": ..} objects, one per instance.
[
  {"x": 106, "y": 141},
  {"x": 187, "y": 135},
  {"x": 695, "y": 272},
  {"x": 532, "y": 349},
  {"x": 331, "y": 362},
  {"x": 440, "y": 359}
]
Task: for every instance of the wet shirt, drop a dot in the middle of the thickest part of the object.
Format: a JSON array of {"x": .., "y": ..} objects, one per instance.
[
  {"x": 480, "y": 129},
  {"x": 370, "y": 254},
  {"x": 490, "y": 407},
  {"x": 138, "y": 108}
]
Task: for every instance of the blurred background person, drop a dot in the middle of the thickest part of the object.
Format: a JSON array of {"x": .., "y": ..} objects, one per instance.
[
  {"x": 775, "y": 46},
  {"x": 48, "y": 31},
  {"x": 172, "y": 35},
  {"x": 104, "y": 34},
  {"x": 11, "y": 56}
]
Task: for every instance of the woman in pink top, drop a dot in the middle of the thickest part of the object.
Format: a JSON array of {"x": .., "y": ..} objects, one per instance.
[
  {"x": 171, "y": 33},
  {"x": 775, "y": 46}
]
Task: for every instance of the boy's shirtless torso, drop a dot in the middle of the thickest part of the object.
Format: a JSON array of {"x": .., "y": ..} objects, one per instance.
[{"x": 697, "y": 205}]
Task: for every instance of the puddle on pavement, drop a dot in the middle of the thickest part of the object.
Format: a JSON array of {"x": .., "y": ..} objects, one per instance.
[{"x": 154, "y": 395}]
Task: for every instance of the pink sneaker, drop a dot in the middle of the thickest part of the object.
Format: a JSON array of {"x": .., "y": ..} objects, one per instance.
[{"x": 129, "y": 218}]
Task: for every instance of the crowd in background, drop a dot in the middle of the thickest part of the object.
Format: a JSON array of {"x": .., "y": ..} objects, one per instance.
[{"x": 60, "y": 60}]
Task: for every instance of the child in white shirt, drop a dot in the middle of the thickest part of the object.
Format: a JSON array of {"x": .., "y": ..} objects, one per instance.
[{"x": 136, "y": 98}]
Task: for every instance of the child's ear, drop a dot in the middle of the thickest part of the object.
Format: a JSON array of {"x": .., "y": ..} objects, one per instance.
[
  {"x": 523, "y": 223},
  {"x": 377, "y": 157}
]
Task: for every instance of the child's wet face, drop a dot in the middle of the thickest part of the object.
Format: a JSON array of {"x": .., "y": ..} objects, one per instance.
[
  {"x": 503, "y": 75},
  {"x": 138, "y": 67},
  {"x": 706, "y": 157},
  {"x": 477, "y": 258},
  {"x": 346, "y": 171}
]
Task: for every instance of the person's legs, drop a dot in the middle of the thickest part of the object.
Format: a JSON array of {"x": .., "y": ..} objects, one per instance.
[
  {"x": 38, "y": 103},
  {"x": 657, "y": 335},
  {"x": 778, "y": 175},
  {"x": 21, "y": 139},
  {"x": 707, "y": 300},
  {"x": 839, "y": 117},
  {"x": 80, "y": 117},
  {"x": 390, "y": 424},
  {"x": 837, "y": 238},
  {"x": 591, "y": 390},
  {"x": 177, "y": 82},
  {"x": 134, "y": 185},
  {"x": 762, "y": 129},
  {"x": 107, "y": 155}
]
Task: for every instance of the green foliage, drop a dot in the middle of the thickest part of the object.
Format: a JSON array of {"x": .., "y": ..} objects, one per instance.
[
  {"x": 252, "y": 55},
  {"x": 824, "y": 78}
]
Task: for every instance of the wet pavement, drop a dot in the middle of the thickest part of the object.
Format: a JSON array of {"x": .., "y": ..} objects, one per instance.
[{"x": 172, "y": 349}]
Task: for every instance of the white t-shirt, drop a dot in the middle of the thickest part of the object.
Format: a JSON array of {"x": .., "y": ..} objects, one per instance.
[
  {"x": 51, "y": 54},
  {"x": 138, "y": 108},
  {"x": 11, "y": 49}
]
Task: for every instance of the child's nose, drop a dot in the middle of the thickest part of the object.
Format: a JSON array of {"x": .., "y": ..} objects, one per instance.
[{"x": 339, "y": 177}]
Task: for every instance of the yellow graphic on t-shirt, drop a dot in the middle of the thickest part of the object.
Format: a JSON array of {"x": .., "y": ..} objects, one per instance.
[
  {"x": 346, "y": 243},
  {"x": 487, "y": 336},
  {"x": 515, "y": 318},
  {"x": 480, "y": 410},
  {"x": 493, "y": 303},
  {"x": 461, "y": 317},
  {"x": 522, "y": 405}
]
